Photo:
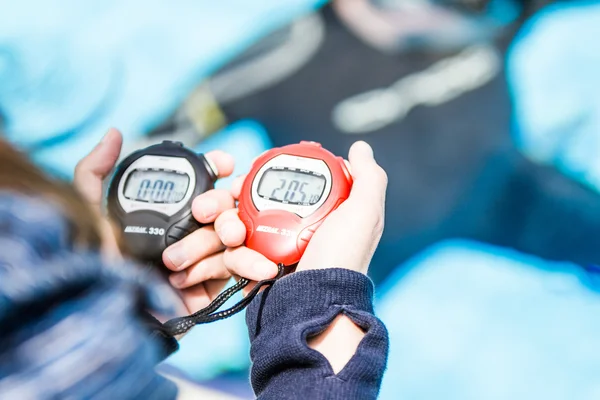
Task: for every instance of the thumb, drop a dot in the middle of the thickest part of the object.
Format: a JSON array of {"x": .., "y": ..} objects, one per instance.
[
  {"x": 370, "y": 180},
  {"x": 93, "y": 168},
  {"x": 333, "y": 244}
]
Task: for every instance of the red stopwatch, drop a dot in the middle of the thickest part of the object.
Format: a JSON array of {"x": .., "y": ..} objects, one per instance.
[{"x": 287, "y": 195}]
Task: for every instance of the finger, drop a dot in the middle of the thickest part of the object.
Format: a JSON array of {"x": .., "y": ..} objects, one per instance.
[
  {"x": 208, "y": 206},
  {"x": 236, "y": 186},
  {"x": 211, "y": 267},
  {"x": 96, "y": 166},
  {"x": 191, "y": 249},
  {"x": 368, "y": 191},
  {"x": 249, "y": 264},
  {"x": 224, "y": 162},
  {"x": 370, "y": 180},
  {"x": 230, "y": 228}
]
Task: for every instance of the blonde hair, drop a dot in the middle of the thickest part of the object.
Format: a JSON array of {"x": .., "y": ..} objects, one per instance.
[{"x": 19, "y": 175}]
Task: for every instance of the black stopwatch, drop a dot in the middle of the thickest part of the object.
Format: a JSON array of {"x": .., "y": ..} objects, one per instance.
[{"x": 151, "y": 194}]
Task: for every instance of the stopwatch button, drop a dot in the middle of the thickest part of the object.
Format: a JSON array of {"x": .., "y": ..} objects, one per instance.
[
  {"x": 172, "y": 142},
  {"x": 181, "y": 229},
  {"x": 339, "y": 203},
  {"x": 175, "y": 234},
  {"x": 306, "y": 236},
  {"x": 345, "y": 168},
  {"x": 311, "y": 143},
  {"x": 307, "y": 233},
  {"x": 172, "y": 239},
  {"x": 190, "y": 224}
]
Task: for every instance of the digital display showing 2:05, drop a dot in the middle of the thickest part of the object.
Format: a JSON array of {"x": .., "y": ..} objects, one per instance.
[{"x": 291, "y": 186}]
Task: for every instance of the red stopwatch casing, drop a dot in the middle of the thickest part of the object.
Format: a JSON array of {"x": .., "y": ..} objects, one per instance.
[{"x": 281, "y": 231}]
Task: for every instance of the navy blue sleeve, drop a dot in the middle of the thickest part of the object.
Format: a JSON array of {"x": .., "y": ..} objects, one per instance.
[{"x": 298, "y": 306}]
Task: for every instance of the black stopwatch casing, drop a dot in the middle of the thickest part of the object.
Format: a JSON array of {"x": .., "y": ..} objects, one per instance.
[{"x": 148, "y": 228}]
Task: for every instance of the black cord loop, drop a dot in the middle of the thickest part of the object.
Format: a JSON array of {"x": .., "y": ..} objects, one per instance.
[{"x": 180, "y": 325}]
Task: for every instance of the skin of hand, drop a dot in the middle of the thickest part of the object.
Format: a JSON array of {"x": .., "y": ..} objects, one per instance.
[
  {"x": 199, "y": 257},
  {"x": 204, "y": 261},
  {"x": 332, "y": 245}
]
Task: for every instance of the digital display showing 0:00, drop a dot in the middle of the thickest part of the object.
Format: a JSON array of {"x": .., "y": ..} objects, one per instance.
[{"x": 150, "y": 186}]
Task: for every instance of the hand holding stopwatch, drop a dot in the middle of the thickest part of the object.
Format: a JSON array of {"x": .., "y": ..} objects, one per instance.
[
  {"x": 285, "y": 197},
  {"x": 150, "y": 197}
]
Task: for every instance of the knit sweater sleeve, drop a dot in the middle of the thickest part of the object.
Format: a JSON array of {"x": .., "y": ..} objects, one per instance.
[
  {"x": 71, "y": 325},
  {"x": 298, "y": 306}
]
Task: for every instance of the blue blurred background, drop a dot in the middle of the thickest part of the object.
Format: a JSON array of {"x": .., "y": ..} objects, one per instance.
[{"x": 485, "y": 114}]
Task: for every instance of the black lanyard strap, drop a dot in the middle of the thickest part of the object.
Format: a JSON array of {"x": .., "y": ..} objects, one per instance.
[{"x": 180, "y": 325}]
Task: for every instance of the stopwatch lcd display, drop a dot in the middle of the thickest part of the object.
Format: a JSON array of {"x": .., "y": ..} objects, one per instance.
[
  {"x": 291, "y": 186},
  {"x": 156, "y": 186}
]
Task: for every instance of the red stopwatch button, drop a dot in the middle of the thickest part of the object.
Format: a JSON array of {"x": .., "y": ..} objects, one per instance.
[
  {"x": 345, "y": 169},
  {"x": 311, "y": 143},
  {"x": 286, "y": 196}
]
